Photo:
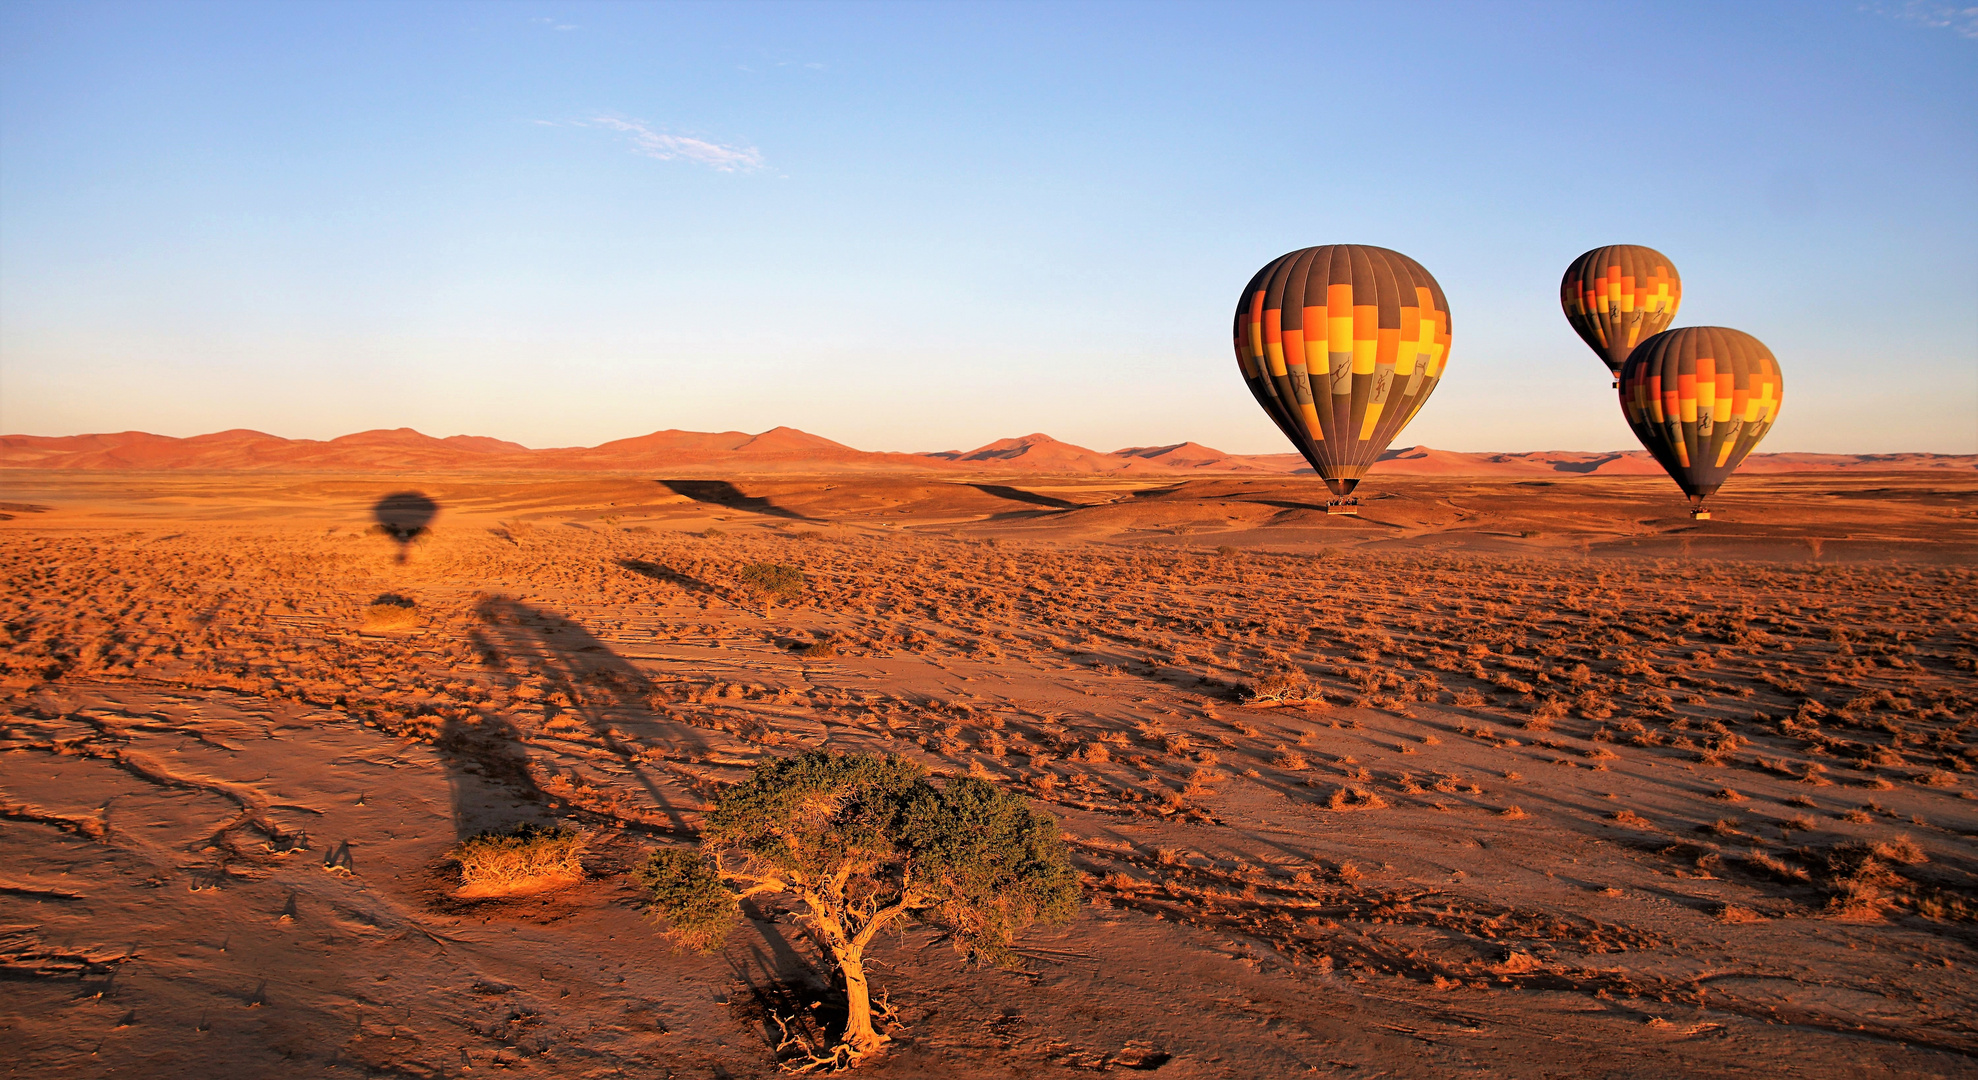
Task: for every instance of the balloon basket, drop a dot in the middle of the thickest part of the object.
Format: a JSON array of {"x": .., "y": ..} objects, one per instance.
[
  {"x": 1348, "y": 506},
  {"x": 1699, "y": 515}
]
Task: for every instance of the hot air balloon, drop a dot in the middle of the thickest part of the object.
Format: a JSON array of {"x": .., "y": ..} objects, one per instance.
[
  {"x": 1341, "y": 345},
  {"x": 1618, "y": 297},
  {"x": 1699, "y": 398}
]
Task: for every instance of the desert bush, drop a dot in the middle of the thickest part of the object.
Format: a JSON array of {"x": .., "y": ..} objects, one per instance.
[
  {"x": 861, "y": 842},
  {"x": 1283, "y": 688},
  {"x": 526, "y": 858},
  {"x": 771, "y": 582}
]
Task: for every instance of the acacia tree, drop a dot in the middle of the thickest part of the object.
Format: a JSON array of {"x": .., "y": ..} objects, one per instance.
[{"x": 863, "y": 842}]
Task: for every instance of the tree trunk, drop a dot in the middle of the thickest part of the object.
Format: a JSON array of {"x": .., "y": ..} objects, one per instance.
[{"x": 859, "y": 1034}]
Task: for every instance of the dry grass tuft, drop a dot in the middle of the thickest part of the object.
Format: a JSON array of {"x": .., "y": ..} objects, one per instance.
[
  {"x": 523, "y": 860},
  {"x": 391, "y": 612},
  {"x": 1290, "y": 761}
]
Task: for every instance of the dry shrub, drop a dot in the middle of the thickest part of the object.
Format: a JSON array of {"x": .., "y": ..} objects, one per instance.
[
  {"x": 820, "y": 649},
  {"x": 1630, "y": 819},
  {"x": 1859, "y": 881},
  {"x": 1198, "y": 783},
  {"x": 1731, "y": 913},
  {"x": 1469, "y": 698},
  {"x": 1774, "y": 867},
  {"x": 391, "y": 612},
  {"x": 1343, "y": 798},
  {"x": 525, "y": 859},
  {"x": 1901, "y": 850},
  {"x": 1283, "y": 688},
  {"x": 1290, "y": 761}
]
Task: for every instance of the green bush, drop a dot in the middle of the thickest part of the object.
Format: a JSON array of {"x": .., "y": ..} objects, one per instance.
[
  {"x": 861, "y": 842},
  {"x": 771, "y": 582}
]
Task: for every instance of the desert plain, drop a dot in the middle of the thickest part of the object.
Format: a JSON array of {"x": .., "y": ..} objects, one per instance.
[{"x": 1522, "y": 777}]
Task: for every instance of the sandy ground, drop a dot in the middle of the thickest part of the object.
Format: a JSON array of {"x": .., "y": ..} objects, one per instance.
[{"x": 1595, "y": 790}]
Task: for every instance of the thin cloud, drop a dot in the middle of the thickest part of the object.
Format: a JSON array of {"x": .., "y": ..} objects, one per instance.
[
  {"x": 655, "y": 144},
  {"x": 1958, "y": 19}
]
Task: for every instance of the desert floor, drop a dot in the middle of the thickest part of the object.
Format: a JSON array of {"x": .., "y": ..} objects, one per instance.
[{"x": 1594, "y": 790}]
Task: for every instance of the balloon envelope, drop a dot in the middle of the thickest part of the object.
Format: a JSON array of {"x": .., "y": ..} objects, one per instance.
[
  {"x": 1699, "y": 398},
  {"x": 1618, "y": 297},
  {"x": 1341, "y": 345}
]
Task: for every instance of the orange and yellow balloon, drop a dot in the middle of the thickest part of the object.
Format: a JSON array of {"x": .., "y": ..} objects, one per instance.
[
  {"x": 1341, "y": 345},
  {"x": 1618, "y": 297},
  {"x": 1700, "y": 398}
]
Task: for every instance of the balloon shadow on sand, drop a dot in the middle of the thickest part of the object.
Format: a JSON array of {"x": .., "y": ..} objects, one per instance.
[
  {"x": 590, "y": 698},
  {"x": 404, "y": 516}
]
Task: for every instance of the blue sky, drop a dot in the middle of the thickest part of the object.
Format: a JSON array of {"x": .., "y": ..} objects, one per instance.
[{"x": 924, "y": 226}]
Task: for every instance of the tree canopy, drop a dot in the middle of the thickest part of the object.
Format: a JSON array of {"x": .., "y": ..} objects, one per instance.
[{"x": 862, "y": 842}]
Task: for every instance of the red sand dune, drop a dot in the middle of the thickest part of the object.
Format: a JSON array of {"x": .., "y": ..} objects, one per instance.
[{"x": 788, "y": 450}]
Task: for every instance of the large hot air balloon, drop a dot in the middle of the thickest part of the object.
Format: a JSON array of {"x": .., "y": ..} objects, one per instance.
[
  {"x": 1618, "y": 297},
  {"x": 1699, "y": 398},
  {"x": 1341, "y": 345}
]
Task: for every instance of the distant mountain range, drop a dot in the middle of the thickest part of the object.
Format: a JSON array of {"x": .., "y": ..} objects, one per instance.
[{"x": 787, "y": 450}]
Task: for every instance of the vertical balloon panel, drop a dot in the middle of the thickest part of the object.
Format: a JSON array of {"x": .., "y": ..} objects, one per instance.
[{"x": 1341, "y": 345}]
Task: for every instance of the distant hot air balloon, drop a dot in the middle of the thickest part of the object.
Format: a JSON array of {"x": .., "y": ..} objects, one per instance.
[
  {"x": 1618, "y": 297},
  {"x": 1341, "y": 345},
  {"x": 1699, "y": 398}
]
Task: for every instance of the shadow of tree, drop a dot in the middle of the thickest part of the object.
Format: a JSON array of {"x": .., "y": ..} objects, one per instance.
[
  {"x": 729, "y": 497},
  {"x": 1001, "y": 491},
  {"x": 671, "y": 576},
  {"x": 692, "y": 584},
  {"x": 783, "y": 981}
]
